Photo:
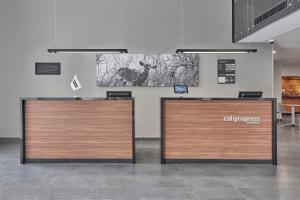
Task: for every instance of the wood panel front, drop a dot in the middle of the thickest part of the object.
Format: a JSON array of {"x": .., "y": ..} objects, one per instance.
[
  {"x": 195, "y": 129},
  {"x": 78, "y": 129}
]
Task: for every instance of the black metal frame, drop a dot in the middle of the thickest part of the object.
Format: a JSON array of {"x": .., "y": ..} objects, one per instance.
[
  {"x": 180, "y": 160},
  {"x": 88, "y": 50},
  {"x": 22, "y": 146},
  {"x": 133, "y": 131},
  {"x": 162, "y": 139},
  {"x": 233, "y": 22},
  {"x": 24, "y": 160},
  {"x": 274, "y": 131},
  {"x": 216, "y": 50},
  {"x": 265, "y": 23},
  {"x": 65, "y": 160}
]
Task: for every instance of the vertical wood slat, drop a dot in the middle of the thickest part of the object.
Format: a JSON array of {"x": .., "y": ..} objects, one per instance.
[{"x": 78, "y": 129}]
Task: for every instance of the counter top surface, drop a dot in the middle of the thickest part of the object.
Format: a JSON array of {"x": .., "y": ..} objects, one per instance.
[
  {"x": 132, "y": 98},
  {"x": 208, "y": 99},
  {"x": 78, "y": 98}
]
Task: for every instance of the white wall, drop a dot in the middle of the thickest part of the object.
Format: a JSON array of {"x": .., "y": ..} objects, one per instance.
[
  {"x": 290, "y": 70},
  {"x": 150, "y": 26}
]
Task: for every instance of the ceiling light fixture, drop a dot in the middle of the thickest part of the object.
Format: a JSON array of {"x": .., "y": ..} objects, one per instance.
[
  {"x": 216, "y": 51},
  {"x": 88, "y": 51}
]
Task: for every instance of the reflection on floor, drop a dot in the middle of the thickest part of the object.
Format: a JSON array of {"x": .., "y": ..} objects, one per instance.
[{"x": 150, "y": 180}]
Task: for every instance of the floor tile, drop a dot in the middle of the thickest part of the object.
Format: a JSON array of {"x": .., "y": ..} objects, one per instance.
[{"x": 148, "y": 179}]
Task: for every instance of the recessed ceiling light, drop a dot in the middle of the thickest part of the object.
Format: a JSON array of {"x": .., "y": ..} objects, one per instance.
[{"x": 274, "y": 51}]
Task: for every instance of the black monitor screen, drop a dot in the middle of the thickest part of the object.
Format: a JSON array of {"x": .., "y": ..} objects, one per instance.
[
  {"x": 252, "y": 94},
  {"x": 180, "y": 89},
  {"x": 119, "y": 94}
]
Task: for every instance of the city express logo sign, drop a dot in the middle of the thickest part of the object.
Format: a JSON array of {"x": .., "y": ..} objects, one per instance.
[{"x": 242, "y": 119}]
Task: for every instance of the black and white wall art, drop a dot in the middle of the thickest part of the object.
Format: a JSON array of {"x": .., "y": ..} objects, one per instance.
[{"x": 147, "y": 70}]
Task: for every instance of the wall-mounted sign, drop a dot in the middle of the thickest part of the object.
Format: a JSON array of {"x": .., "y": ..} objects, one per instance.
[
  {"x": 226, "y": 71},
  {"x": 242, "y": 119},
  {"x": 47, "y": 68}
]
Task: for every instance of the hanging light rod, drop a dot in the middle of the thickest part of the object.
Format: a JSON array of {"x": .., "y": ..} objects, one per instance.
[
  {"x": 216, "y": 51},
  {"x": 87, "y": 50}
]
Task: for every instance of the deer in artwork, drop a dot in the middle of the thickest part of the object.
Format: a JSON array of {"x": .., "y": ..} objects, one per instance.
[{"x": 133, "y": 76}]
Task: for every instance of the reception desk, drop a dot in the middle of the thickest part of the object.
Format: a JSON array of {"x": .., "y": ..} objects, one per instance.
[
  {"x": 77, "y": 130},
  {"x": 218, "y": 130}
]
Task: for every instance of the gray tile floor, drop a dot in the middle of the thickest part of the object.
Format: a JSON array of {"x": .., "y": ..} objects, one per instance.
[{"x": 150, "y": 180}]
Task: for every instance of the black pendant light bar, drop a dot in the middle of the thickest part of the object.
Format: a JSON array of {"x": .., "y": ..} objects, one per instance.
[
  {"x": 87, "y": 50},
  {"x": 216, "y": 51},
  {"x": 184, "y": 51}
]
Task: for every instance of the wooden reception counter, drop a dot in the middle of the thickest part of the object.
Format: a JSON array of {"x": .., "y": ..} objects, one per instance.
[
  {"x": 218, "y": 130},
  {"x": 77, "y": 130}
]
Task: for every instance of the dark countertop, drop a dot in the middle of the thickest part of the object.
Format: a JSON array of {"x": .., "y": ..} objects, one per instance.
[
  {"x": 132, "y": 98},
  {"x": 76, "y": 98},
  {"x": 208, "y": 99}
]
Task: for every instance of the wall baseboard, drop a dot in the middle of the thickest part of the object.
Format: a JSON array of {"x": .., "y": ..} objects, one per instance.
[
  {"x": 10, "y": 140},
  {"x": 154, "y": 139}
]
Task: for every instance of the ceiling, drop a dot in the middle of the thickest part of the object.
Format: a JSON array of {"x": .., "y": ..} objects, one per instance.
[
  {"x": 281, "y": 26},
  {"x": 290, "y": 39},
  {"x": 287, "y": 47},
  {"x": 286, "y": 33},
  {"x": 287, "y": 56}
]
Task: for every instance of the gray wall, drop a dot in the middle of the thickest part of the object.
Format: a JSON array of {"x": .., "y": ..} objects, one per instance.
[
  {"x": 277, "y": 81},
  {"x": 149, "y": 26}
]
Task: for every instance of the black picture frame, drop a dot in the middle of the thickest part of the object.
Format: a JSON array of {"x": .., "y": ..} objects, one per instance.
[{"x": 47, "y": 68}]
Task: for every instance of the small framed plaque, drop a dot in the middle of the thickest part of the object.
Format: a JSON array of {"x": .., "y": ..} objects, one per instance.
[
  {"x": 47, "y": 69},
  {"x": 226, "y": 71}
]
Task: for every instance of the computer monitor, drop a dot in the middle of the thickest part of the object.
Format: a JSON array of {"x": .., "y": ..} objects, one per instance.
[
  {"x": 181, "y": 89},
  {"x": 118, "y": 94},
  {"x": 250, "y": 94}
]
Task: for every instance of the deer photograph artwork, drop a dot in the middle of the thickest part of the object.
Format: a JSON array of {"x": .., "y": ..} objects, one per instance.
[{"x": 147, "y": 70}]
